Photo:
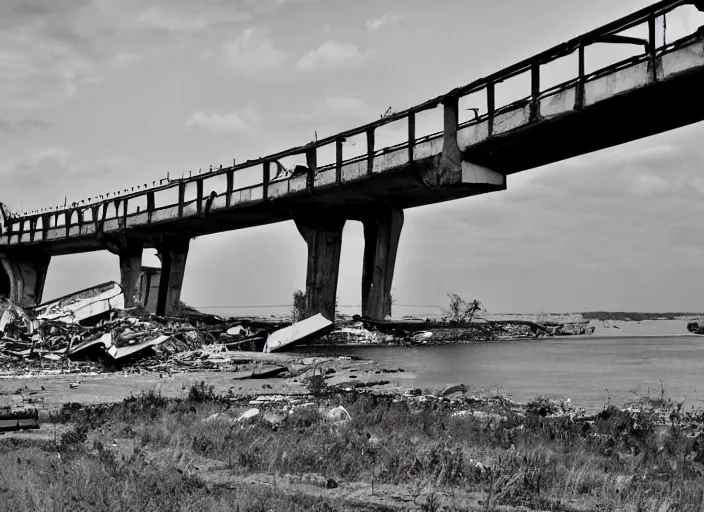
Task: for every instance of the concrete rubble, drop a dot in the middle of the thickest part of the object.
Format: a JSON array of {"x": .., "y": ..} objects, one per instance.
[{"x": 91, "y": 330}]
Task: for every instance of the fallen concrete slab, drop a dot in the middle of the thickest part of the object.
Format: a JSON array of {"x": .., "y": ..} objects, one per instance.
[
  {"x": 297, "y": 333},
  {"x": 120, "y": 352},
  {"x": 82, "y": 305}
]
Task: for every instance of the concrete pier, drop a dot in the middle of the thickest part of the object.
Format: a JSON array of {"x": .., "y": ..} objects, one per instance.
[
  {"x": 24, "y": 276},
  {"x": 173, "y": 252},
  {"x": 323, "y": 235},
  {"x": 130, "y": 266},
  {"x": 382, "y": 232}
]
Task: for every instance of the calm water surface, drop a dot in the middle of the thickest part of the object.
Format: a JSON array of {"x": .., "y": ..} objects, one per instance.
[{"x": 582, "y": 369}]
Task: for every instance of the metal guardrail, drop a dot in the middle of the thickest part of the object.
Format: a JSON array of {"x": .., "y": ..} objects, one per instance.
[{"x": 608, "y": 33}]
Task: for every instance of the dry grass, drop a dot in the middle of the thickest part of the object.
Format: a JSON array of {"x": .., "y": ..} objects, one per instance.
[{"x": 144, "y": 453}]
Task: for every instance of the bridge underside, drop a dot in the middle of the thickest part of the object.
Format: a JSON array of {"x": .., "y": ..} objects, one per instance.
[
  {"x": 642, "y": 112},
  {"x": 640, "y": 97},
  {"x": 402, "y": 188}
]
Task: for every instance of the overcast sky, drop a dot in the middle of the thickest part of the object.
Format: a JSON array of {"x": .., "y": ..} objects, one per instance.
[{"x": 99, "y": 95}]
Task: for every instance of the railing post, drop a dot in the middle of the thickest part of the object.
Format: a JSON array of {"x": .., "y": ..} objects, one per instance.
[
  {"x": 370, "y": 150},
  {"x": 45, "y": 226},
  {"x": 411, "y": 135},
  {"x": 338, "y": 161},
  {"x": 32, "y": 228},
  {"x": 535, "y": 91},
  {"x": 199, "y": 194},
  {"x": 579, "y": 92},
  {"x": 312, "y": 162},
  {"x": 230, "y": 185},
  {"x": 652, "y": 45},
  {"x": 490, "y": 107},
  {"x": 181, "y": 197},
  {"x": 151, "y": 205},
  {"x": 266, "y": 178}
]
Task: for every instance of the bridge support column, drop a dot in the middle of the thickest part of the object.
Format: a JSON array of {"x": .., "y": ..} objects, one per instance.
[
  {"x": 130, "y": 266},
  {"x": 172, "y": 252},
  {"x": 25, "y": 274},
  {"x": 324, "y": 239},
  {"x": 382, "y": 232}
]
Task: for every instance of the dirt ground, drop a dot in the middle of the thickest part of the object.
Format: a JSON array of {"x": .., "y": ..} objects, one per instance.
[{"x": 49, "y": 392}]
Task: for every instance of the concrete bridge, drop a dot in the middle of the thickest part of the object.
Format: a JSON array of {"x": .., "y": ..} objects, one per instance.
[{"x": 657, "y": 90}]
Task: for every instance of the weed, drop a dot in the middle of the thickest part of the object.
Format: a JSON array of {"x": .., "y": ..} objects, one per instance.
[{"x": 201, "y": 392}]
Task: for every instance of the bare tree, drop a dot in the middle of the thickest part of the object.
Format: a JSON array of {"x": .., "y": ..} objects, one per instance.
[{"x": 460, "y": 311}]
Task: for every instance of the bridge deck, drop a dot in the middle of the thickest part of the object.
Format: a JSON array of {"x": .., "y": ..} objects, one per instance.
[{"x": 652, "y": 93}]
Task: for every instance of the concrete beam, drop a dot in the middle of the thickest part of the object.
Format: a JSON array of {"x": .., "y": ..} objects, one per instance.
[
  {"x": 477, "y": 174},
  {"x": 382, "y": 232},
  {"x": 130, "y": 266},
  {"x": 446, "y": 168},
  {"x": 173, "y": 252},
  {"x": 26, "y": 272},
  {"x": 323, "y": 236}
]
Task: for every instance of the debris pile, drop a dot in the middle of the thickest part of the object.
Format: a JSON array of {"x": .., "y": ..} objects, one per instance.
[
  {"x": 93, "y": 325},
  {"x": 695, "y": 328}
]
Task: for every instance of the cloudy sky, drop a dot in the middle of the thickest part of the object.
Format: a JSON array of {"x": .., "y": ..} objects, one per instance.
[{"x": 99, "y": 95}]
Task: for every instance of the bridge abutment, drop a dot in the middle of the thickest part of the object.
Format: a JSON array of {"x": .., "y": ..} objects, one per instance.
[
  {"x": 130, "y": 267},
  {"x": 323, "y": 237},
  {"x": 382, "y": 232},
  {"x": 25, "y": 275},
  {"x": 172, "y": 252}
]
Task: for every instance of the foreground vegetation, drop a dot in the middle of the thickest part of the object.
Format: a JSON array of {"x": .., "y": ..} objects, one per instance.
[{"x": 149, "y": 453}]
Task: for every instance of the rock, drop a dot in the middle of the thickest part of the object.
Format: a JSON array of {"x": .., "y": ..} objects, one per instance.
[
  {"x": 235, "y": 331},
  {"x": 338, "y": 414},
  {"x": 249, "y": 414},
  {"x": 487, "y": 417},
  {"x": 453, "y": 390},
  {"x": 273, "y": 417}
]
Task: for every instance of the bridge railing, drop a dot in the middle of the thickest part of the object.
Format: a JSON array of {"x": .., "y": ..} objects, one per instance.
[{"x": 253, "y": 179}]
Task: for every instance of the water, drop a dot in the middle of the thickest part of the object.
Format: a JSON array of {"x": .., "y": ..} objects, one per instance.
[{"x": 590, "y": 371}]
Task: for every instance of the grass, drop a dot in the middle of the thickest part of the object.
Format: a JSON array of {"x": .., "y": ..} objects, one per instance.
[{"x": 150, "y": 453}]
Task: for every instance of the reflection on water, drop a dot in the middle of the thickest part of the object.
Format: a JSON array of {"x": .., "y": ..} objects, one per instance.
[{"x": 587, "y": 370}]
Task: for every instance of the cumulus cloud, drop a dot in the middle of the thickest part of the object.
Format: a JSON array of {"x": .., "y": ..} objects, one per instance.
[
  {"x": 254, "y": 54},
  {"x": 233, "y": 122},
  {"x": 343, "y": 105},
  {"x": 182, "y": 18},
  {"x": 122, "y": 60},
  {"x": 374, "y": 24},
  {"x": 56, "y": 154},
  {"x": 24, "y": 126},
  {"x": 332, "y": 54}
]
